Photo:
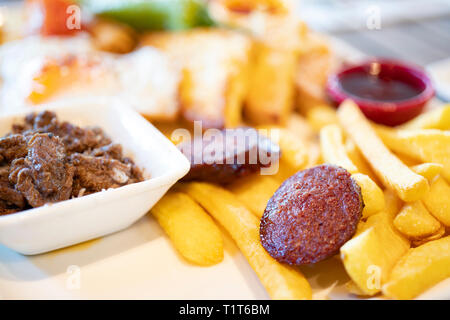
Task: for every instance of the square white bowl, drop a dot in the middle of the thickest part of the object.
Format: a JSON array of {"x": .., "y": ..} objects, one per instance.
[{"x": 76, "y": 220}]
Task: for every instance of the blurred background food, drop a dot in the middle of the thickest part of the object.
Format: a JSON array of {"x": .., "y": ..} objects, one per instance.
[{"x": 230, "y": 61}]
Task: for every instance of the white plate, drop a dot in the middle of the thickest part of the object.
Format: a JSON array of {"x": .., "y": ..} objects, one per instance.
[{"x": 76, "y": 220}]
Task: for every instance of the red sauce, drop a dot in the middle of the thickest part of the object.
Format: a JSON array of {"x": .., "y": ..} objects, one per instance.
[
  {"x": 378, "y": 87},
  {"x": 387, "y": 91}
]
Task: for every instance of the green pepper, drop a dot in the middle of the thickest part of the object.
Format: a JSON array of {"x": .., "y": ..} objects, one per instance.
[{"x": 153, "y": 14}]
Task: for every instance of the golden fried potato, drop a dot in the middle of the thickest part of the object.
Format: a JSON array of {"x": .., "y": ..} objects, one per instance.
[
  {"x": 437, "y": 235},
  {"x": 438, "y": 118},
  {"x": 216, "y": 63},
  {"x": 358, "y": 160},
  {"x": 353, "y": 288},
  {"x": 410, "y": 162},
  {"x": 393, "y": 204},
  {"x": 415, "y": 222},
  {"x": 419, "y": 269},
  {"x": 280, "y": 281},
  {"x": 373, "y": 196},
  {"x": 299, "y": 126},
  {"x": 312, "y": 71},
  {"x": 366, "y": 258},
  {"x": 428, "y": 170},
  {"x": 270, "y": 98},
  {"x": 333, "y": 149},
  {"x": 112, "y": 36},
  {"x": 192, "y": 231},
  {"x": 321, "y": 115},
  {"x": 294, "y": 156},
  {"x": 437, "y": 201},
  {"x": 427, "y": 145},
  {"x": 302, "y": 129},
  {"x": 391, "y": 171},
  {"x": 255, "y": 191}
]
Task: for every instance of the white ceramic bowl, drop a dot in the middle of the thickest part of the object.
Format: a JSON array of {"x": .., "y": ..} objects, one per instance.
[{"x": 73, "y": 221}]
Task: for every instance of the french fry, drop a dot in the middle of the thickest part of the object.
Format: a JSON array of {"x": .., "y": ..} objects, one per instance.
[
  {"x": 438, "y": 118},
  {"x": 294, "y": 149},
  {"x": 333, "y": 149},
  {"x": 428, "y": 170},
  {"x": 192, "y": 231},
  {"x": 393, "y": 204},
  {"x": 427, "y": 145},
  {"x": 301, "y": 128},
  {"x": 321, "y": 115},
  {"x": 280, "y": 281},
  {"x": 365, "y": 257},
  {"x": 415, "y": 222},
  {"x": 255, "y": 191},
  {"x": 437, "y": 235},
  {"x": 353, "y": 288},
  {"x": 372, "y": 194},
  {"x": 391, "y": 171},
  {"x": 409, "y": 161},
  {"x": 313, "y": 67},
  {"x": 437, "y": 201},
  {"x": 419, "y": 269},
  {"x": 271, "y": 104},
  {"x": 358, "y": 160}
]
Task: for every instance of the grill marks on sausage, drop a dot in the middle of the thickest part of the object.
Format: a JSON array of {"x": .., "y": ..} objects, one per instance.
[
  {"x": 44, "y": 161},
  {"x": 229, "y": 155},
  {"x": 311, "y": 215}
]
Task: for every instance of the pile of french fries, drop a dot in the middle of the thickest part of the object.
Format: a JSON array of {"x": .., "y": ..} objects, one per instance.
[{"x": 401, "y": 247}]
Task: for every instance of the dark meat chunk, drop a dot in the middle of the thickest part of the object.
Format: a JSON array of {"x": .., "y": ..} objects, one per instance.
[
  {"x": 43, "y": 176},
  {"x": 93, "y": 174},
  {"x": 229, "y": 155},
  {"x": 81, "y": 140},
  {"x": 44, "y": 121},
  {"x": 5, "y": 208},
  {"x": 10, "y": 196},
  {"x": 12, "y": 147},
  {"x": 75, "y": 139},
  {"x": 311, "y": 215},
  {"x": 112, "y": 150}
]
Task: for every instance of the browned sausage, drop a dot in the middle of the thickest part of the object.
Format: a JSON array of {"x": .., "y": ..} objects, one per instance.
[
  {"x": 311, "y": 215},
  {"x": 231, "y": 154}
]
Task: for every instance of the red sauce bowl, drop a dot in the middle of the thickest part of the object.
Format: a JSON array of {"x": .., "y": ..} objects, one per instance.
[{"x": 388, "y": 92}]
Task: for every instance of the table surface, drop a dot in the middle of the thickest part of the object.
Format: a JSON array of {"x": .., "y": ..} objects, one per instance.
[
  {"x": 417, "y": 31},
  {"x": 419, "y": 42}
]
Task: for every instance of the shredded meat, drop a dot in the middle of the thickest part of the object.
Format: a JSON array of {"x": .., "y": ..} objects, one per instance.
[
  {"x": 8, "y": 194},
  {"x": 99, "y": 173},
  {"x": 12, "y": 146},
  {"x": 44, "y": 175},
  {"x": 45, "y": 161}
]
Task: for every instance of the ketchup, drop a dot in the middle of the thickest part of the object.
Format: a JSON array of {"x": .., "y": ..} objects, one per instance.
[
  {"x": 378, "y": 87},
  {"x": 387, "y": 92}
]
